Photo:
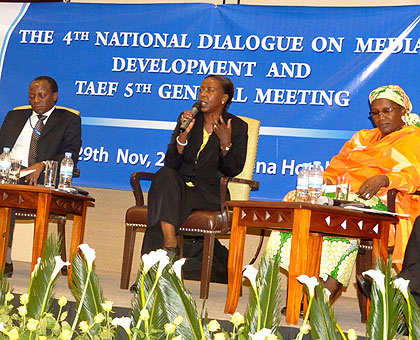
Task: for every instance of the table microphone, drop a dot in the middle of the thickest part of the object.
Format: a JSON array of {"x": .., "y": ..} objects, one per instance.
[
  {"x": 324, "y": 200},
  {"x": 196, "y": 107}
]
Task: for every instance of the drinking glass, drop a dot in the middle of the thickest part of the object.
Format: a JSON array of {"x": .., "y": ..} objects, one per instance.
[
  {"x": 14, "y": 173},
  {"x": 50, "y": 173},
  {"x": 342, "y": 188}
]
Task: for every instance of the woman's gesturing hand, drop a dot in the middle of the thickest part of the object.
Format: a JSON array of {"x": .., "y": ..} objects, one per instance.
[
  {"x": 223, "y": 131},
  {"x": 372, "y": 185}
]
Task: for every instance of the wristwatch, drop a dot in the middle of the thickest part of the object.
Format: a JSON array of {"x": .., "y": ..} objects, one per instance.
[{"x": 226, "y": 148}]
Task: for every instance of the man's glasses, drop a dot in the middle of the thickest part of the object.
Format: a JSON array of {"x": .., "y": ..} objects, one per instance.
[{"x": 386, "y": 111}]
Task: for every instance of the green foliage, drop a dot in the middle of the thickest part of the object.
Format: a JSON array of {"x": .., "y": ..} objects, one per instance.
[
  {"x": 323, "y": 320},
  {"x": 385, "y": 317},
  {"x": 88, "y": 282},
  {"x": 41, "y": 287},
  {"x": 268, "y": 295}
]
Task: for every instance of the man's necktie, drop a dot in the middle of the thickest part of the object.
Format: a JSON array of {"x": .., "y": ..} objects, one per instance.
[{"x": 36, "y": 133}]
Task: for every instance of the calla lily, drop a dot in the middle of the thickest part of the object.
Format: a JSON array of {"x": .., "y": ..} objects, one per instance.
[
  {"x": 251, "y": 274},
  {"x": 177, "y": 266},
  {"x": 59, "y": 263},
  {"x": 123, "y": 322},
  {"x": 89, "y": 254},
  {"x": 149, "y": 260},
  {"x": 310, "y": 282},
  {"x": 164, "y": 261},
  {"x": 261, "y": 335},
  {"x": 378, "y": 277},
  {"x": 327, "y": 295},
  {"x": 402, "y": 285}
]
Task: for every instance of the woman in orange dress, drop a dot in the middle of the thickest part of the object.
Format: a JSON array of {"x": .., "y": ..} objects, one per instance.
[{"x": 375, "y": 160}]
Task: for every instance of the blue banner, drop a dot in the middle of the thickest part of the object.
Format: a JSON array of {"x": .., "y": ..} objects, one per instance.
[{"x": 304, "y": 72}]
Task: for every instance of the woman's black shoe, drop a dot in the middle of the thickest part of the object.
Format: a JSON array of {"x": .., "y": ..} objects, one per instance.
[
  {"x": 365, "y": 284},
  {"x": 173, "y": 252},
  {"x": 133, "y": 288}
]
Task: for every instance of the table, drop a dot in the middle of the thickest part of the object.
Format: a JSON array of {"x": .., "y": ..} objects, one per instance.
[
  {"x": 308, "y": 224},
  {"x": 44, "y": 201}
]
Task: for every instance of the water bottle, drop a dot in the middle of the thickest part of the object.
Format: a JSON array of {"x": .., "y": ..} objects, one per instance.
[
  {"x": 302, "y": 184},
  {"x": 5, "y": 164},
  {"x": 66, "y": 172},
  {"x": 316, "y": 178}
]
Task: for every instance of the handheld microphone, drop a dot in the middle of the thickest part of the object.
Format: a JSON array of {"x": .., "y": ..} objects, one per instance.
[{"x": 196, "y": 107}]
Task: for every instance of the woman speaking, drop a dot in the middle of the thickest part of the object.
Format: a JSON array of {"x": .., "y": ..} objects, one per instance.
[{"x": 212, "y": 145}]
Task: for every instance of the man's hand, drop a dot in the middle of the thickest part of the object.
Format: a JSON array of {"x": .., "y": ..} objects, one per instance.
[
  {"x": 372, "y": 185},
  {"x": 32, "y": 178}
]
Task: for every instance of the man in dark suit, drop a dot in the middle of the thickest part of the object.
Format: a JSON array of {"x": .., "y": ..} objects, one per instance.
[{"x": 60, "y": 132}]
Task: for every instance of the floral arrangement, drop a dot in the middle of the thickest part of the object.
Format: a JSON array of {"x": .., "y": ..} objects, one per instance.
[
  {"x": 393, "y": 310},
  {"x": 163, "y": 309}
]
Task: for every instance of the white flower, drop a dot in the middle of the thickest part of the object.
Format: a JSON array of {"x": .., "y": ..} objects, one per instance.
[
  {"x": 177, "y": 266},
  {"x": 327, "y": 295},
  {"x": 402, "y": 285},
  {"x": 59, "y": 263},
  {"x": 162, "y": 265},
  {"x": 351, "y": 335},
  {"x": 149, "y": 260},
  {"x": 251, "y": 274},
  {"x": 124, "y": 322},
  {"x": 89, "y": 254},
  {"x": 378, "y": 277},
  {"x": 237, "y": 319},
  {"x": 305, "y": 328},
  {"x": 261, "y": 335},
  {"x": 310, "y": 282},
  {"x": 213, "y": 326},
  {"x": 179, "y": 337}
]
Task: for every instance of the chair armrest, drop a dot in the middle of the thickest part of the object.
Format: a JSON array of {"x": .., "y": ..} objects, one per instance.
[
  {"x": 253, "y": 184},
  {"x": 224, "y": 181},
  {"x": 135, "y": 179},
  {"x": 391, "y": 195}
]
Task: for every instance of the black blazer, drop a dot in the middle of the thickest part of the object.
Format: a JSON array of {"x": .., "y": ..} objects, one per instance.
[
  {"x": 205, "y": 172},
  {"x": 62, "y": 133}
]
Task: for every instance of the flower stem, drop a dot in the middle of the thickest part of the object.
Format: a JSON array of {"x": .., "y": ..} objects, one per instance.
[
  {"x": 410, "y": 336},
  {"x": 79, "y": 309},
  {"x": 341, "y": 331}
]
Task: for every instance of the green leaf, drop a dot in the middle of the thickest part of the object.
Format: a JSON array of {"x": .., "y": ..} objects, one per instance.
[
  {"x": 42, "y": 287},
  {"x": 386, "y": 313},
  {"x": 323, "y": 322},
  {"x": 268, "y": 283},
  {"x": 91, "y": 304}
]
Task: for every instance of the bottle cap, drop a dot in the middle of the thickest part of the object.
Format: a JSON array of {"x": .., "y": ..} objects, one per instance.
[
  {"x": 6, "y": 149},
  {"x": 67, "y": 154},
  {"x": 317, "y": 163}
]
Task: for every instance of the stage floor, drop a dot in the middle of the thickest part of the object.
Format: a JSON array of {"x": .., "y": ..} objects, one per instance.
[{"x": 346, "y": 308}]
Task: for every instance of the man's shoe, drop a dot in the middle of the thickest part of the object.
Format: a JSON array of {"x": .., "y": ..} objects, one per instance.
[
  {"x": 365, "y": 284},
  {"x": 8, "y": 270}
]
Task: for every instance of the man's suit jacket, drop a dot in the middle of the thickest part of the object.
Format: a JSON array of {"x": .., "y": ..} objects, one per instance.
[{"x": 62, "y": 133}]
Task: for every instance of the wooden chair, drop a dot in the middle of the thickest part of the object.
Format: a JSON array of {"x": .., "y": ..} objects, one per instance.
[
  {"x": 60, "y": 219},
  {"x": 203, "y": 222}
]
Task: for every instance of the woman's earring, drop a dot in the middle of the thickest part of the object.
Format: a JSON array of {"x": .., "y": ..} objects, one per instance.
[{"x": 223, "y": 102}]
